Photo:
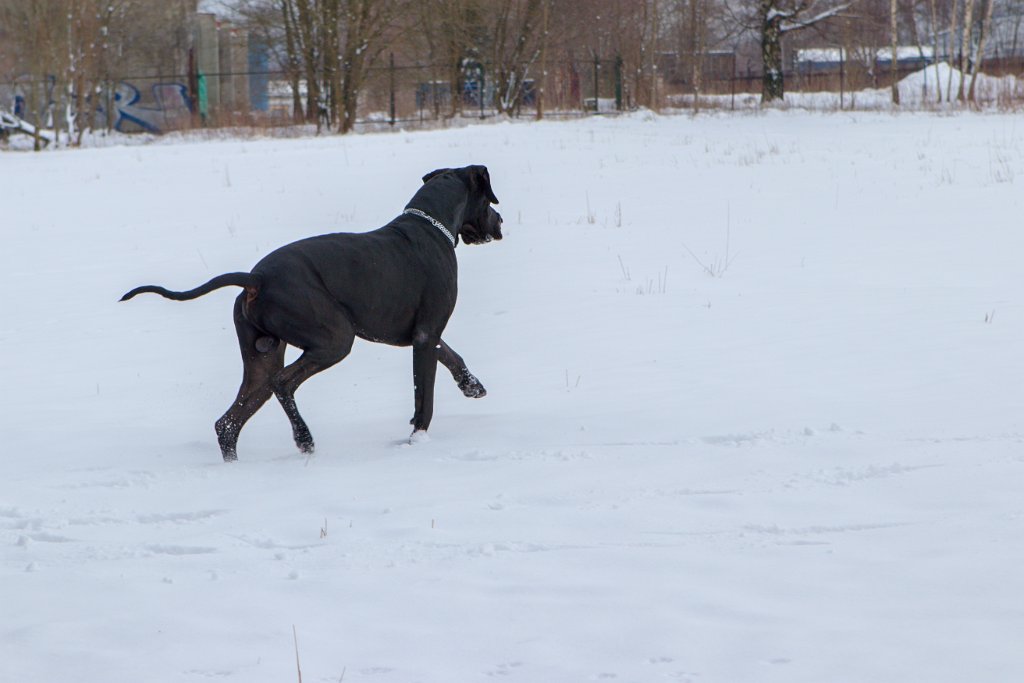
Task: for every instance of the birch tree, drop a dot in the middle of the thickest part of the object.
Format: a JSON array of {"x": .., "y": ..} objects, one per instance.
[
  {"x": 772, "y": 20},
  {"x": 965, "y": 49},
  {"x": 935, "y": 48},
  {"x": 951, "y": 49},
  {"x": 986, "y": 28}
]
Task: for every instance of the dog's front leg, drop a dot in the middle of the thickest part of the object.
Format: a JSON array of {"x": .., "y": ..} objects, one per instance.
[
  {"x": 468, "y": 383},
  {"x": 425, "y": 349}
]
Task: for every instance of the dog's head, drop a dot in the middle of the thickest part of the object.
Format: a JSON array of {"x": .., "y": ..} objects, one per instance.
[{"x": 480, "y": 222}]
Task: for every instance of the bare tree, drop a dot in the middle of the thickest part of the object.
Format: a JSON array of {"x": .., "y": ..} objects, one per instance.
[
  {"x": 775, "y": 18},
  {"x": 451, "y": 31},
  {"x": 986, "y": 27},
  {"x": 965, "y": 49},
  {"x": 697, "y": 46},
  {"x": 935, "y": 48},
  {"x": 542, "y": 83},
  {"x": 304, "y": 19},
  {"x": 34, "y": 29},
  {"x": 951, "y": 48},
  {"x": 329, "y": 45},
  {"x": 274, "y": 24},
  {"x": 515, "y": 44},
  {"x": 893, "y": 65},
  {"x": 365, "y": 26},
  {"x": 291, "y": 59},
  {"x": 649, "y": 45}
]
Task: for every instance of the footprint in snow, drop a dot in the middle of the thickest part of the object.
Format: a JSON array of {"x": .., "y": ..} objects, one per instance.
[
  {"x": 179, "y": 517},
  {"x": 504, "y": 669},
  {"x": 179, "y": 550}
]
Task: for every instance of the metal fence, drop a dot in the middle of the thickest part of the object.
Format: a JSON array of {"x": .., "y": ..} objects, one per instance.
[{"x": 409, "y": 95}]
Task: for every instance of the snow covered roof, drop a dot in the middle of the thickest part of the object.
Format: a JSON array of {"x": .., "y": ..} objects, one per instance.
[{"x": 835, "y": 54}]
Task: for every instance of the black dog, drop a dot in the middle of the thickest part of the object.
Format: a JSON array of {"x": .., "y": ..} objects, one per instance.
[{"x": 395, "y": 285}]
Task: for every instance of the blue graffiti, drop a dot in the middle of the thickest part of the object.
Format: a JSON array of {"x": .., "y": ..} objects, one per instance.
[{"x": 171, "y": 108}]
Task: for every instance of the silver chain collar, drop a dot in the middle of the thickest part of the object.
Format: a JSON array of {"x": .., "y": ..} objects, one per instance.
[{"x": 433, "y": 221}]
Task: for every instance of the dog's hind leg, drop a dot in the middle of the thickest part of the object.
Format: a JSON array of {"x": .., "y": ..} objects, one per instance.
[
  {"x": 332, "y": 343},
  {"x": 470, "y": 385},
  {"x": 262, "y": 358}
]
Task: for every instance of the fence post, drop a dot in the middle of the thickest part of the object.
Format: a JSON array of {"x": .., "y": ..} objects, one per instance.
[
  {"x": 391, "y": 79},
  {"x": 842, "y": 76},
  {"x": 597, "y": 66},
  {"x": 109, "y": 108},
  {"x": 732, "y": 84},
  {"x": 618, "y": 82},
  {"x": 483, "y": 88}
]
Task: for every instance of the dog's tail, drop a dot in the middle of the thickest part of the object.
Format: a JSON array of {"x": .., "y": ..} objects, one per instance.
[{"x": 247, "y": 280}]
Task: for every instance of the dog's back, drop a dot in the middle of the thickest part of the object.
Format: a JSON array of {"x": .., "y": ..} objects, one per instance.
[{"x": 380, "y": 279}]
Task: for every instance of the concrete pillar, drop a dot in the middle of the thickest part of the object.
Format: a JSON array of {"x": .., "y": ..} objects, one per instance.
[
  {"x": 208, "y": 58},
  {"x": 234, "y": 62},
  {"x": 240, "y": 65}
]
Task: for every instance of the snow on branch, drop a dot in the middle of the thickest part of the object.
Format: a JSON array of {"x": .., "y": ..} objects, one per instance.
[
  {"x": 793, "y": 22},
  {"x": 774, "y": 13}
]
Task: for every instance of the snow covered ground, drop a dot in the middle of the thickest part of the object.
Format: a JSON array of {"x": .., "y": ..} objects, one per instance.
[{"x": 805, "y": 466}]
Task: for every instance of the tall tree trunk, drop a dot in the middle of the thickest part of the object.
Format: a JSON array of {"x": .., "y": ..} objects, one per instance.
[
  {"x": 952, "y": 51},
  {"x": 306, "y": 33},
  {"x": 351, "y": 83},
  {"x": 697, "y": 52},
  {"x": 538, "y": 91},
  {"x": 894, "y": 64},
  {"x": 986, "y": 26},
  {"x": 653, "y": 52},
  {"x": 771, "y": 52},
  {"x": 357, "y": 33},
  {"x": 965, "y": 50},
  {"x": 293, "y": 57},
  {"x": 935, "y": 51},
  {"x": 513, "y": 64},
  {"x": 912, "y": 20},
  {"x": 330, "y": 50}
]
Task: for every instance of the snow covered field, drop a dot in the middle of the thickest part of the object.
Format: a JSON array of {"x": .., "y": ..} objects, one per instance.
[{"x": 804, "y": 467}]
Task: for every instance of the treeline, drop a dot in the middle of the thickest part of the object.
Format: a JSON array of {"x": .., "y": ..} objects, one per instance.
[
  {"x": 331, "y": 44},
  {"x": 327, "y": 49}
]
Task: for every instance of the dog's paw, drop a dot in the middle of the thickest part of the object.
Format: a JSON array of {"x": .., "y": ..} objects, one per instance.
[
  {"x": 471, "y": 387},
  {"x": 418, "y": 436}
]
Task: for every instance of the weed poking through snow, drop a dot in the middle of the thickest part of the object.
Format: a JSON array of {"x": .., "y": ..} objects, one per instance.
[{"x": 717, "y": 266}]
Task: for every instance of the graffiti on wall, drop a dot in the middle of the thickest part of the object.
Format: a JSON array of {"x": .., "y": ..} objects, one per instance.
[
  {"x": 167, "y": 108},
  {"x": 162, "y": 107}
]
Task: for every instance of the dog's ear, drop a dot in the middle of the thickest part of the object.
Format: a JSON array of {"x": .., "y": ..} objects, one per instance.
[
  {"x": 480, "y": 180},
  {"x": 430, "y": 175}
]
